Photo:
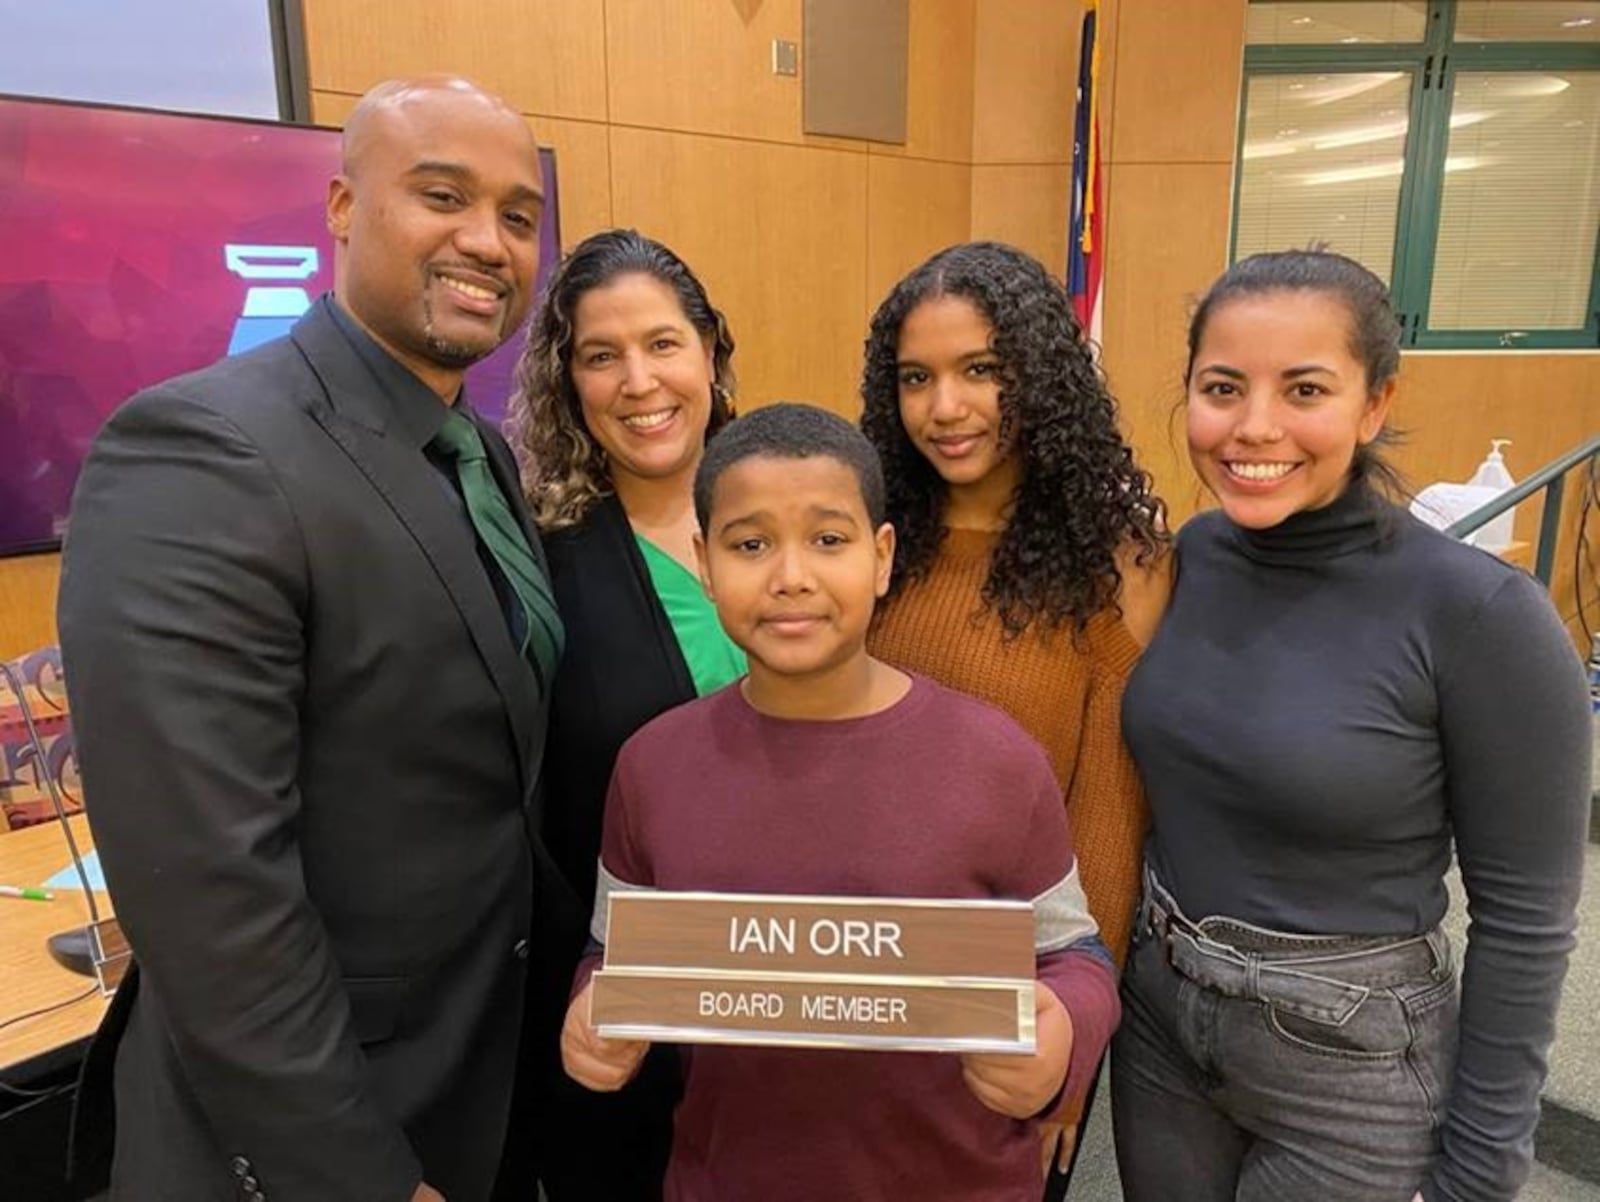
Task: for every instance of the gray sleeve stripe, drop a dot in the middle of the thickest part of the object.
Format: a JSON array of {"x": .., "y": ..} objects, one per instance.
[
  {"x": 1061, "y": 915},
  {"x": 605, "y": 884}
]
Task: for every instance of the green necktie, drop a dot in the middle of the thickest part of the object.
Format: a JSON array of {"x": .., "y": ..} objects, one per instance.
[{"x": 499, "y": 530}]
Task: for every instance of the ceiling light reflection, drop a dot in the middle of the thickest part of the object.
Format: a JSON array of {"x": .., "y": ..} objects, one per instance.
[{"x": 1385, "y": 169}]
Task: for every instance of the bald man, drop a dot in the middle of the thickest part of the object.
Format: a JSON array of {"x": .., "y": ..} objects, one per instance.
[{"x": 310, "y": 644}]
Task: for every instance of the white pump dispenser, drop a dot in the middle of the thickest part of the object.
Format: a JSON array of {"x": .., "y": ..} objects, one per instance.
[{"x": 1492, "y": 473}]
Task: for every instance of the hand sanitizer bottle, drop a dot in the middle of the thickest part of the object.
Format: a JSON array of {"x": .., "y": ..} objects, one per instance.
[{"x": 1492, "y": 473}]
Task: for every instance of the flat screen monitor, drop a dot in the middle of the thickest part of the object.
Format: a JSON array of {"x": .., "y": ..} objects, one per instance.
[{"x": 137, "y": 245}]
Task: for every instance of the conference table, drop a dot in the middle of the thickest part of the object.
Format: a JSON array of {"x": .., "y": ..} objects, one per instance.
[{"x": 65, "y": 1008}]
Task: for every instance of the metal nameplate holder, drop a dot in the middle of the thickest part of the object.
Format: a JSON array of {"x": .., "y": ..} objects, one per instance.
[{"x": 887, "y": 974}]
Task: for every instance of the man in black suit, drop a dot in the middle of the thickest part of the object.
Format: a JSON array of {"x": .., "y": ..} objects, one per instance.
[{"x": 309, "y": 646}]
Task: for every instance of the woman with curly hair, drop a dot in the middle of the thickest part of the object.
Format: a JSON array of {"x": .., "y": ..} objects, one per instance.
[
  {"x": 1031, "y": 562},
  {"x": 627, "y": 372}
]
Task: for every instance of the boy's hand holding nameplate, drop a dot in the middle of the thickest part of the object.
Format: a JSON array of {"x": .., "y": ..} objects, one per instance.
[
  {"x": 590, "y": 1059},
  {"x": 1021, "y": 1086}
]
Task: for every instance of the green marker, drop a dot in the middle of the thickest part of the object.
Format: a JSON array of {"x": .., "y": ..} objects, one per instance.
[{"x": 29, "y": 894}]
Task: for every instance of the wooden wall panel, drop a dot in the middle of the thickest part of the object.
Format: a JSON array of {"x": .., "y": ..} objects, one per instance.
[
  {"x": 1107, "y": 27},
  {"x": 1026, "y": 206},
  {"x": 939, "y": 87},
  {"x": 1178, "y": 72},
  {"x": 1168, "y": 142},
  {"x": 778, "y": 234},
  {"x": 331, "y": 108},
  {"x": 583, "y": 174},
  {"x": 547, "y": 58},
  {"x": 1451, "y": 405},
  {"x": 583, "y": 163},
  {"x": 28, "y": 585},
  {"x": 1168, "y": 241},
  {"x": 914, "y": 208},
  {"x": 1025, "y": 75},
  {"x": 703, "y": 66}
]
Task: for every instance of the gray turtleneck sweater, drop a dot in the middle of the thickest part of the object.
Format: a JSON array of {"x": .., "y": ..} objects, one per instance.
[{"x": 1327, "y": 703}]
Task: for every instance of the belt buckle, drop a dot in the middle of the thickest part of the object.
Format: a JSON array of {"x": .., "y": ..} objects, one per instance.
[
  {"x": 1169, "y": 924},
  {"x": 1160, "y": 923},
  {"x": 1163, "y": 917}
]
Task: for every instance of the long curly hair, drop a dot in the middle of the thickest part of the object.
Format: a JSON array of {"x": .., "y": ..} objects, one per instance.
[
  {"x": 1082, "y": 498},
  {"x": 564, "y": 472}
]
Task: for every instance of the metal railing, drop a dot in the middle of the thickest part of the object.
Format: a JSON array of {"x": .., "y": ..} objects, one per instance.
[{"x": 1552, "y": 477}]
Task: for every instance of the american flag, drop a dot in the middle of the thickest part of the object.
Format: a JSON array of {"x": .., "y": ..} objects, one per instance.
[{"x": 1086, "y": 236}]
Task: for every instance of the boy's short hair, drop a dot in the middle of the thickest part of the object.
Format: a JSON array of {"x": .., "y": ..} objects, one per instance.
[{"x": 790, "y": 431}]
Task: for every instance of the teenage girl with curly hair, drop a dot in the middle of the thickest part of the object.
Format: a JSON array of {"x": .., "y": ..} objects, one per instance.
[{"x": 1031, "y": 562}]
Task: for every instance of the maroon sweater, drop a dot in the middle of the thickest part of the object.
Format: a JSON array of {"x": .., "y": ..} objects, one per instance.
[{"x": 937, "y": 796}]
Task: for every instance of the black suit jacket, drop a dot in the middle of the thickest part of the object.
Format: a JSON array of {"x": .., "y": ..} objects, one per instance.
[{"x": 308, "y": 746}]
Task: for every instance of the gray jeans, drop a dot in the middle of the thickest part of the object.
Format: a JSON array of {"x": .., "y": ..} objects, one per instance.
[{"x": 1253, "y": 1064}]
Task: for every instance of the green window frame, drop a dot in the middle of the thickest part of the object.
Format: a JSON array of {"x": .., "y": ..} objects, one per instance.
[{"x": 1433, "y": 65}]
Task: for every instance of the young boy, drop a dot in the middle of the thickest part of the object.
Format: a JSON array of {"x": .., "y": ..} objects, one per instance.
[{"x": 827, "y": 772}]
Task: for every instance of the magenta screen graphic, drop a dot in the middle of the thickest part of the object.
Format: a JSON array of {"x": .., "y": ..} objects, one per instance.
[{"x": 137, "y": 245}]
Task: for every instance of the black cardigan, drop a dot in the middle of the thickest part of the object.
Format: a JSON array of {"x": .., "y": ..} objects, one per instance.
[{"x": 622, "y": 667}]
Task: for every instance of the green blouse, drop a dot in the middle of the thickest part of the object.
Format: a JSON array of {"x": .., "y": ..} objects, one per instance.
[{"x": 712, "y": 657}]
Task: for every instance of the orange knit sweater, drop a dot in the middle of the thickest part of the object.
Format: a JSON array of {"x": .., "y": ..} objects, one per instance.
[{"x": 1066, "y": 692}]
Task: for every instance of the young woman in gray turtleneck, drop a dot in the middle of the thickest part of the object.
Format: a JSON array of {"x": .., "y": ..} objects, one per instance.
[{"x": 1337, "y": 694}]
